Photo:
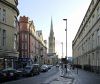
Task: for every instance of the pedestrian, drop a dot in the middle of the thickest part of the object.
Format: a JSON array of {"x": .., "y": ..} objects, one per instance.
[{"x": 61, "y": 70}]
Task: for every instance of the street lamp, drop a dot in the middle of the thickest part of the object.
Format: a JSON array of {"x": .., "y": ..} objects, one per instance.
[
  {"x": 66, "y": 41},
  {"x": 62, "y": 49}
]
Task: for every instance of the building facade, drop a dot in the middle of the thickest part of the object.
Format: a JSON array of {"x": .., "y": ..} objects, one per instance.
[
  {"x": 86, "y": 44},
  {"x": 8, "y": 34},
  {"x": 32, "y": 48}
]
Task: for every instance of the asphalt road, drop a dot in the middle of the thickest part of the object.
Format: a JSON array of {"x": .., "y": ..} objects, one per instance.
[{"x": 38, "y": 79}]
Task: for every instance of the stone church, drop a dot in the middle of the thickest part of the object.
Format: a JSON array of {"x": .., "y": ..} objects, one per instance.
[{"x": 51, "y": 48}]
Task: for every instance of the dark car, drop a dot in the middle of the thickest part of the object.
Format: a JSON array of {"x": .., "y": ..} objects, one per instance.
[
  {"x": 31, "y": 70},
  {"x": 36, "y": 69},
  {"x": 10, "y": 74},
  {"x": 49, "y": 66},
  {"x": 44, "y": 68},
  {"x": 1, "y": 77}
]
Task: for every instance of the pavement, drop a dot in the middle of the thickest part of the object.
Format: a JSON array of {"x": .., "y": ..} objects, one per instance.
[
  {"x": 76, "y": 76},
  {"x": 85, "y": 77},
  {"x": 66, "y": 78}
]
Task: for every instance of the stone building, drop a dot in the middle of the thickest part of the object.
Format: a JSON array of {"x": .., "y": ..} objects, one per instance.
[
  {"x": 8, "y": 34},
  {"x": 32, "y": 48},
  {"x": 52, "y": 57},
  {"x": 86, "y": 44}
]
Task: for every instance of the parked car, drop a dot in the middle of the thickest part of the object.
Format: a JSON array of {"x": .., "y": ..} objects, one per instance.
[
  {"x": 10, "y": 74},
  {"x": 1, "y": 77},
  {"x": 44, "y": 68},
  {"x": 36, "y": 69},
  {"x": 57, "y": 65},
  {"x": 31, "y": 70},
  {"x": 49, "y": 66}
]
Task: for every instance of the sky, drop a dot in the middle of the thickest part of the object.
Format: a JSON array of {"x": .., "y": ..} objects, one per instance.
[{"x": 41, "y": 11}]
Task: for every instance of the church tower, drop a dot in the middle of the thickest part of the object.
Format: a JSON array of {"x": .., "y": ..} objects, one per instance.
[{"x": 51, "y": 39}]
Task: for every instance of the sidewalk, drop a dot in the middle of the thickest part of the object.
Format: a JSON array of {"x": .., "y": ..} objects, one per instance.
[
  {"x": 85, "y": 77},
  {"x": 76, "y": 76},
  {"x": 58, "y": 79}
]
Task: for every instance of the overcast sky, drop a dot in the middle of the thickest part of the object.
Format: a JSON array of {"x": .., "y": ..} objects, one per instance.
[{"x": 41, "y": 11}]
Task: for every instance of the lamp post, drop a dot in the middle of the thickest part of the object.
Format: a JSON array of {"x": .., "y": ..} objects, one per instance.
[
  {"x": 62, "y": 48},
  {"x": 66, "y": 41}
]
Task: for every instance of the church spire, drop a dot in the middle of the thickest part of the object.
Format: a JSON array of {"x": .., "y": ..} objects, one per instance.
[
  {"x": 51, "y": 29},
  {"x": 51, "y": 39}
]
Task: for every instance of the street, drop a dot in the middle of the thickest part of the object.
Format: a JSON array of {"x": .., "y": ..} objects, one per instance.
[
  {"x": 38, "y": 79},
  {"x": 52, "y": 76}
]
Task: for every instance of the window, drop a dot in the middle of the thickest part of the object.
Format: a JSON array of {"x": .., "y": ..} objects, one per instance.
[
  {"x": 99, "y": 32},
  {"x": 25, "y": 37},
  {"x": 16, "y": 2},
  {"x": 0, "y": 36},
  {"x": 15, "y": 22},
  {"x": 22, "y": 37},
  {"x": 0, "y": 14},
  {"x": 4, "y": 15},
  {"x": 25, "y": 54},
  {"x": 92, "y": 2},
  {"x": 1, "y": 63},
  {"x": 15, "y": 41},
  {"x": 98, "y": 12},
  {"x": 50, "y": 44},
  {"x": 93, "y": 16},
  {"x": 98, "y": 37},
  {"x": 22, "y": 45},
  {"x": 4, "y": 37},
  {"x": 22, "y": 54},
  {"x": 89, "y": 44},
  {"x": 25, "y": 45},
  {"x": 93, "y": 40}
]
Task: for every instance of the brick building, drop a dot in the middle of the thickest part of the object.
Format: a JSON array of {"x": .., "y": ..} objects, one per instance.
[{"x": 32, "y": 48}]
